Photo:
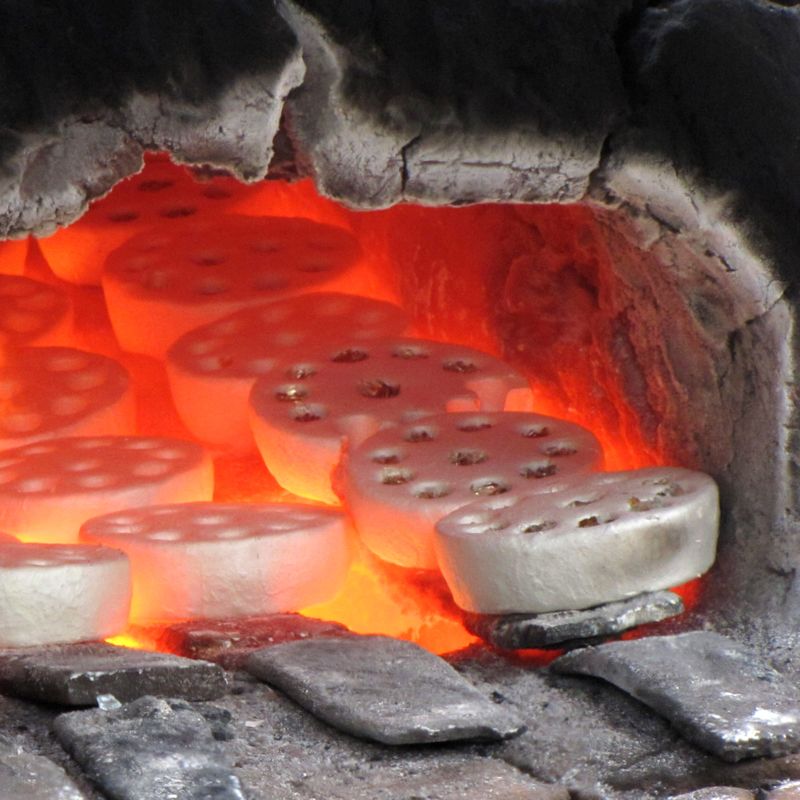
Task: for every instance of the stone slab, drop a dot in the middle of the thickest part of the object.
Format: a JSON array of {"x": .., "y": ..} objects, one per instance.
[
  {"x": 152, "y": 749},
  {"x": 74, "y": 675},
  {"x": 281, "y": 752},
  {"x": 384, "y": 689},
  {"x": 228, "y": 642},
  {"x": 568, "y": 628},
  {"x": 717, "y": 693},
  {"x": 24, "y": 776}
]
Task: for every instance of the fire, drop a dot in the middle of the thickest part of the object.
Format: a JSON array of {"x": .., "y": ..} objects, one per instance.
[{"x": 447, "y": 304}]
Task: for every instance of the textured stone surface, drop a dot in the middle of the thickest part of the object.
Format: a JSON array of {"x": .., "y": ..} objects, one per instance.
[
  {"x": 567, "y": 628},
  {"x": 29, "y": 777},
  {"x": 74, "y": 675},
  {"x": 152, "y": 749},
  {"x": 283, "y": 753},
  {"x": 228, "y": 642},
  {"x": 477, "y": 779},
  {"x": 717, "y": 693},
  {"x": 786, "y": 791},
  {"x": 383, "y": 689},
  {"x": 455, "y": 101},
  {"x": 600, "y": 742},
  {"x": 708, "y": 163},
  {"x": 206, "y": 85}
]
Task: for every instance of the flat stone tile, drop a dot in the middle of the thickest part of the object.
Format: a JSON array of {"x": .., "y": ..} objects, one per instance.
[
  {"x": 717, "y": 693},
  {"x": 152, "y": 749},
  {"x": 384, "y": 689},
  {"x": 599, "y": 741},
  {"x": 228, "y": 642},
  {"x": 562, "y": 628},
  {"x": 24, "y": 776},
  {"x": 74, "y": 675}
]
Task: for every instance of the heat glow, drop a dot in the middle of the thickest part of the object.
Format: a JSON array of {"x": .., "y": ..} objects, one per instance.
[{"x": 449, "y": 268}]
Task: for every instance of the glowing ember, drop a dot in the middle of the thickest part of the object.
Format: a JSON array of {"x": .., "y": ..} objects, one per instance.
[
  {"x": 32, "y": 313},
  {"x": 217, "y": 364},
  {"x": 52, "y": 593},
  {"x": 443, "y": 266},
  {"x": 49, "y": 489},
  {"x": 215, "y": 560},
  {"x": 353, "y": 389},
  {"x": 58, "y": 391},
  {"x": 599, "y": 538},
  {"x": 165, "y": 282},
  {"x": 443, "y": 462}
]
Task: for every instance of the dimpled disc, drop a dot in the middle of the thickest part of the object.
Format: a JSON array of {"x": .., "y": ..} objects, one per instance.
[
  {"x": 32, "y": 313},
  {"x": 214, "y": 560},
  {"x": 602, "y": 538},
  {"x": 215, "y": 366},
  {"x": 167, "y": 281},
  {"x": 47, "y": 392},
  {"x": 400, "y": 481},
  {"x": 308, "y": 407},
  {"x": 54, "y": 593},
  {"x": 49, "y": 489},
  {"x": 162, "y": 193}
]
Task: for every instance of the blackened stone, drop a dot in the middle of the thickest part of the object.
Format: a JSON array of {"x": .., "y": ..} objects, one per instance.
[
  {"x": 563, "y": 628},
  {"x": 74, "y": 675},
  {"x": 150, "y": 749},
  {"x": 456, "y": 101},
  {"x": 716, "y": 692},
  {"x": 29, "y": 777},
  {"x": 88, "y": 87},
  {"x": 384, "y": 689},
  {"x": 228, "y": 642}
]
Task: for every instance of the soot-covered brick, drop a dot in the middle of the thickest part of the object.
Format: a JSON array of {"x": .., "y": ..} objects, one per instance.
[{"x": 63, "y": 57}]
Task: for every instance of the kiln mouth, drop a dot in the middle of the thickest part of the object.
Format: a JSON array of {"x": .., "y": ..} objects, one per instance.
[{"x": 660, "y": 293}]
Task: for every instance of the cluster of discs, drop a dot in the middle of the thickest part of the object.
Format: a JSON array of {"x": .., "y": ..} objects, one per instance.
[
  {"x": 433, "y": 448},
  {"x": 170, "y": 254}
]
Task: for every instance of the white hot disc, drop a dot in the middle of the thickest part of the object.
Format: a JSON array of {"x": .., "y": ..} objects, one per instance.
[
  {"x": 47, "y": 392},
  {"x": 604, "y": 537},
  {"x": 167, "y": 281},
  {"x": 310, "y": 407},
  {"x": 215, "y": 366},
  {"x": 53, "y": 593},
  {"x": 213, "y": 560},
  {"x": 49, "y": 489},
  {"x": 400, "y": 481},
  {"x": 32, "y": 313}
]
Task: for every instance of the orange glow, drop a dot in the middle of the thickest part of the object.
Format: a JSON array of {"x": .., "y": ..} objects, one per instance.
[
  {"x": 131, "y": 642},
  {"x": 549, "y": 314},
  {"x": 379, "y": 598},
  {"x": 13, "y": 255}
]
